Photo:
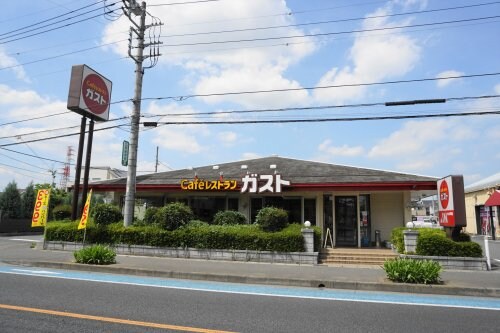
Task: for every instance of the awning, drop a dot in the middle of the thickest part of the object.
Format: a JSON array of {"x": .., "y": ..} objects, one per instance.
[{"x": 494, "y": 199}]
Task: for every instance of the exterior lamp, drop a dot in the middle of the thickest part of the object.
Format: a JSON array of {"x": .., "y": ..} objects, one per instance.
[{"x": 307, "y": 224}]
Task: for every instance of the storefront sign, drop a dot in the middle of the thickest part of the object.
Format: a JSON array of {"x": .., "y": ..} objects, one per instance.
[
  {"x": 208, "y": 185},
  {"x": 270, "y": 183},
  {"x": 89, "y": 93},
  {"x": 451, "y": 201}
]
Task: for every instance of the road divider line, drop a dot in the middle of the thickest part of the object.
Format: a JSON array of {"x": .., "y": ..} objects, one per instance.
[{"x": 111, "y": 320}]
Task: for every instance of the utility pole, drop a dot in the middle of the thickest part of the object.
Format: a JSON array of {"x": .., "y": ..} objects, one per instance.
[
  {"x": 138, "y": 30},
  {"x": 156, "y": 164}
]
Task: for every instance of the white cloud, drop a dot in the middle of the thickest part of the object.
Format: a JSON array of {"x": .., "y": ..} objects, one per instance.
[
  {"x": 233, "y": 66},
  {"x": 497, "y": 88},
  {"x": 411, "y": 139},
  {"x": 344, "y": 150},
  {"x": 228, "y": 137},
  {"x": 373, "y": 59},
  {"x": 12, "y": 64},
  {"x": 447, "y": 82}
]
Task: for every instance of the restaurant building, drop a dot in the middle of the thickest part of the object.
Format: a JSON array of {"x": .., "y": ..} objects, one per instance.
[{"x": 349, "y": 204}]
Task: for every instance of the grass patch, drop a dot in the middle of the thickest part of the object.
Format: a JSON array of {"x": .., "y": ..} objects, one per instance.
[{"x": 95, "y": 255}]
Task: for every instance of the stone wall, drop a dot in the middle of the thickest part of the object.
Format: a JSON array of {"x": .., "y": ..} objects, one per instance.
[{"x": 310, "y": 258}]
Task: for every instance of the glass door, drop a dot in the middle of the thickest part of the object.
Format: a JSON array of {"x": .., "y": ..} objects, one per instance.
[{"x": 346, "y": 221}]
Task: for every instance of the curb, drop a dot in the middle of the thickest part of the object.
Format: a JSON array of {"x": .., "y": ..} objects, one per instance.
[{"x": 331, "y": 284}]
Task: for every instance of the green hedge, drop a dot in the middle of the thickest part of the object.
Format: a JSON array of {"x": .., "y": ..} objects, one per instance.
[
  {"x": 196, "y": 235},
  {"x": 397, "y": 237},
  {"x": 434, "y": 245}
]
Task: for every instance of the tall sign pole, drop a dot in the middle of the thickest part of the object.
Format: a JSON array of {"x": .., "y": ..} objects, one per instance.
[{"x": 138, "y": 30}]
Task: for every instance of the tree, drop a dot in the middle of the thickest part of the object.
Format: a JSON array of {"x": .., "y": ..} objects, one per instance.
[
  {"x": 10, "y": 201},
  {"x": 28, "y": 200},
  {"x": 57, "y": 196}
]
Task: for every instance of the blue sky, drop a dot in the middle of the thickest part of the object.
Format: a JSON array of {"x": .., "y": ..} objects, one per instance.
[{"x": 34, "y": 82}]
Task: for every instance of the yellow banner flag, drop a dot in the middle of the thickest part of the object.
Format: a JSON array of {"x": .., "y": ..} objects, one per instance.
[
  {"x": 41, "y": 210},
  {"x": 85, "y": 214}
]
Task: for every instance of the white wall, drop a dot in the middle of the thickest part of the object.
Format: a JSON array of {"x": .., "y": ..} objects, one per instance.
[{"x": 388, "y": 212}]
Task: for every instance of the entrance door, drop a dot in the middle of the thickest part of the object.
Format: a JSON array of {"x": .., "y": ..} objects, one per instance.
[{"x": 346, "y": 221}]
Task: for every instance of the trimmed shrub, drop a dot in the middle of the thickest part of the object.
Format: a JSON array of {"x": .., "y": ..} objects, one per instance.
[
  {"x": 463, "y": 237},
  {"x": 194, "y": 234},
  {"x": 229, "y": 217},
  {"x": 174, "y": 215},
  {"x": 95, "y": 255},
  {"x": 150, "y": 216},
  {"x": 435, "y": 245},
  {"x": 272, "y": 219},
  {"x": 412, "y": 271},
  {"x": 61, "y": 212},
  {"x": 397, "y": 236},
  {"x": 106, "y": 214}
]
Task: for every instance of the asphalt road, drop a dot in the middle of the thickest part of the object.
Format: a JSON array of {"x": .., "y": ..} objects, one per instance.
[
  {"x": 68, "y": 303},
  {"x": 494, "y": 247}
]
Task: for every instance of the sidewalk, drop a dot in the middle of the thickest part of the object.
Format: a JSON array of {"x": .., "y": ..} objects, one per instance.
[{"x": 466, "y": 283}]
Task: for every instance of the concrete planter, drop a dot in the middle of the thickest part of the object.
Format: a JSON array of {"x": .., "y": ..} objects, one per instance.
[
  {"x": 308, "y": 258},
  {"x": 455, "y": 263}
]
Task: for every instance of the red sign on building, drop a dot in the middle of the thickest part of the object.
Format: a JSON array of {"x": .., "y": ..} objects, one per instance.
[{"x": 451, "y": 201}]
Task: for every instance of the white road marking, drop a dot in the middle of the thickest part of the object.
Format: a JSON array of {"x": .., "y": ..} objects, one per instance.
[
  {"x": 25, "y": 240},
  {"x": 35, "y": 271}
]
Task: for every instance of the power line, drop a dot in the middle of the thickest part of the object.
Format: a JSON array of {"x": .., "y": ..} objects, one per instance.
[
  {"x": 18, "y": 168},
  {"x": 25, "y": 154},
  {"x": 332, "y": 21},
  {"x": 333, "y": 33},
  {"x": 241, "y": 122},
  {"x": 15, "y": 159},
  {"x": 56, "y": 28},
  {"x": 54, "y": 18},
  {"x": 182, "y": 98},
  {"x": 59, "y": 136},
  {"x": 320, "y": 107},
  {"x": 62, "y": 55}
]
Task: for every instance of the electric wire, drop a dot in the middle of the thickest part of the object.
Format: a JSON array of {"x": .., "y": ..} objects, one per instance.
[
  {"x": 331, "y": 21},
  {"x": 333, "y": 33}
]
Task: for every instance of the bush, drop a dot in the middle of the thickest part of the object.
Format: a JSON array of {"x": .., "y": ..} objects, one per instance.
[
  {"x": 435, "y": 245},
  {"x": 150, "y": 216},
  {"x": 95, "y": 255},
  {"x": 397, "y": 236},
  {"x": 106, "y": 214},
  {"x": 412, "y": 271},
  {"x": 463, "y": 237},
  {"x": 272, "y": 219},
  {"x": 174, "y": 215},
  {"x": 229, "y": 217},
  {"x": 195, "y": 234},
  {"x": 61, "y": 212}
]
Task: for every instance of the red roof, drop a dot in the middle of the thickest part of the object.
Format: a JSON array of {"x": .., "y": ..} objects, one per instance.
[{"x": 494, "y": 199}]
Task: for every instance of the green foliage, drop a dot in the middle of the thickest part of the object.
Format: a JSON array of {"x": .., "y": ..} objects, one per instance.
[
  {"x": 436, "y": 245},
  {"x": 229, "y": 217},
  {"x": 150, "y": 215},
  {"x": 174, "y": 215},
  {"x": 28, "y": 200},
  {"x": 10, "y": 201},
  {"x": 195, "y": 234},
  {"x": 61, "y": 212},
  {"x": 95, "y": 255},
  {"x": 106, "y": 214},
  {"x": 412, "y": 271},
  {"x": 272, "y": 219},
  {"x": 57, "y": 196},
  {"x": 397, "y": 236},
  {"x": 463, "y": 237}
]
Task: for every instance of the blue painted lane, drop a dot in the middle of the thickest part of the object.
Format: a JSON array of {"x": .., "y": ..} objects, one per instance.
[{"x": 262, "y": 290}]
